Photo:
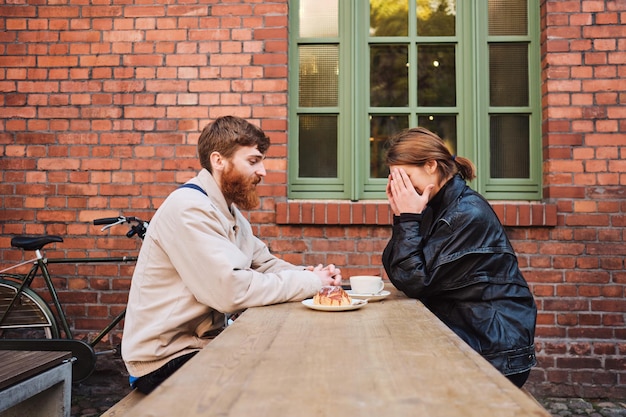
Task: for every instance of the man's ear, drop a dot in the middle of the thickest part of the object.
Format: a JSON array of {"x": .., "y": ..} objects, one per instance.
[{"x": 217, "y": 161}]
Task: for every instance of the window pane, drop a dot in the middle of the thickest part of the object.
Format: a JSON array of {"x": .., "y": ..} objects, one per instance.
[
  {"x": 381, "y": 128},
  {"x": 389, "y": 76},
  {"x": 389, "y": 17},
  {"x": 318, "y": 146},
  {"x": 319, "y": 18},
  {"x": 319, "y": 75},
  {"x": 443, "y": 126},
  {"x": 508, "y": 74},
  {"x": 436, "y": 75},
  {"x": 508, "y": 17},
  {"x": 510, "y": 147},
  {"x": 436, "y": 18}
]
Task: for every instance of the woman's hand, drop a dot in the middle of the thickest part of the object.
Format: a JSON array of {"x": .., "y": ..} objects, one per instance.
[
  {"x": 392, "y": 202},
  {"x": 329, "y": 274},
  {"x": 402, "y": 196}
]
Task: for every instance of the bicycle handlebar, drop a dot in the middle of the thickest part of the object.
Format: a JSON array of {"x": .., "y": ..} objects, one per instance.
[
  {"x": 106, "y": 220},
  {"x": 138, "y": 229}
]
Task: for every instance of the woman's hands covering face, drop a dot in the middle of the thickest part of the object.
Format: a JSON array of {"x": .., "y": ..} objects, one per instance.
[{"x": 402, "y": 195}]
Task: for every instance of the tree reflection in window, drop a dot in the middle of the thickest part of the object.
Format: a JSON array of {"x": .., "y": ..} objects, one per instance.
[
  {"x": 436, "y": 18},
  {"x": 436, "y": 75},
  {"x": 389, "y": 17},
  {"x": 389, "y": 76}
]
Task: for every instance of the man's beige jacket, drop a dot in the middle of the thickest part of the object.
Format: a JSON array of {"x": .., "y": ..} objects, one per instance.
[{"x": 199, "y": 260}]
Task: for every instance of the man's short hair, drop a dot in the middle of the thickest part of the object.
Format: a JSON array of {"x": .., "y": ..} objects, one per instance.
[{"x": 225, "y": 135}]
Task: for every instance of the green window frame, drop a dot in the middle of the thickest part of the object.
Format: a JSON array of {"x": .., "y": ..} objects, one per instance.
[{"x": 337, "y": 128}]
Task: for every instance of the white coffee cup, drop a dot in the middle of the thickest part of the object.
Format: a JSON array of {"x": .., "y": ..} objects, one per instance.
[{"x": 366, "y": 284}]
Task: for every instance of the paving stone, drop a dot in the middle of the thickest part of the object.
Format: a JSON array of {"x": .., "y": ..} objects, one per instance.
[
  {"x": 579, "y": 407},
  {"x": 102, "y": 389}
]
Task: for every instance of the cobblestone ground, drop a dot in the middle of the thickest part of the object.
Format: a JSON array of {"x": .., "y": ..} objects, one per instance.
[
  {"x": 109, "y": 383},
  {"x": 578, "y": 407},
  {"x": 104, "y": 387}
]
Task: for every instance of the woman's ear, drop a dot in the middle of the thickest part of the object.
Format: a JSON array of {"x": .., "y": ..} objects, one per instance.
[{"x": 431, "y": 166}]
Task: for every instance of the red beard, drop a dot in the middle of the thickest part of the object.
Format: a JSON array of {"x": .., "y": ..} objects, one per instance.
[{"x": 239, "y": 189}]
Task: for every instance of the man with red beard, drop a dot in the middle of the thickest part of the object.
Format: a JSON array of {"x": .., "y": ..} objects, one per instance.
[{"x": 200, "y": 259}]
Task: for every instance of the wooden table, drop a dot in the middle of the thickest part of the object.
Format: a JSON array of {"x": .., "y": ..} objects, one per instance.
[
  {"x": 389, "y": 358},
  {"x": 34, "y": 383}
]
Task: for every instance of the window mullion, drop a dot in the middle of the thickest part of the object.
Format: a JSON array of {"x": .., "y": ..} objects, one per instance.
[
  {"x": 478, "y": 112},
  {"x": 355, "y": 95}
]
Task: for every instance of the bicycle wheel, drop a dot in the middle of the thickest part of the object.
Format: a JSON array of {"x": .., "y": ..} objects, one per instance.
[{"x": 29, "y": 317}]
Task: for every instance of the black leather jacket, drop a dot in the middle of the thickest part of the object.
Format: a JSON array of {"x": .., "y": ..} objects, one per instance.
[{"x": 456, "y": 258}]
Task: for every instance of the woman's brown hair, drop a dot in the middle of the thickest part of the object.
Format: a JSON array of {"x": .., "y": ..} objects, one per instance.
[{"x": 418, "y": 145}]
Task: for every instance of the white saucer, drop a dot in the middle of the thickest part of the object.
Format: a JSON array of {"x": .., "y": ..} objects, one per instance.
[
  {"x": 369, "y": 297},
  {"x": 355, "y": 305}
]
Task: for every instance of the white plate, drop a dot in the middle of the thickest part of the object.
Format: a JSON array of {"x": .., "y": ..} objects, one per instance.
[
  {"x": 369, "y": 297},
  {"x": 355, "y": 305}
]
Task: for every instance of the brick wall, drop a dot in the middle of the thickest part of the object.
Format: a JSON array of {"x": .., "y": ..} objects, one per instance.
[
  {"x": 102, "y": 104},
  {"x": 577, "y": 268}
]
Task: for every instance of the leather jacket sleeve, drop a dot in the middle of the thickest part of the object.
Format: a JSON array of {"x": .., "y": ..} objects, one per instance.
[{"x": 403, "y": 258}]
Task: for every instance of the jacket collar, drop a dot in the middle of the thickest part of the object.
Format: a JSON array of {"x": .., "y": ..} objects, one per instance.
[
  {"x": 208, "y": 183},
  {"x": 441, "y": 202},
  {"x": 448, "y": 193}
]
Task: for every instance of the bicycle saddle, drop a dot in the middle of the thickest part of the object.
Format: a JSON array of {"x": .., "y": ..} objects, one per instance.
[{"x": 34, "y": 242}]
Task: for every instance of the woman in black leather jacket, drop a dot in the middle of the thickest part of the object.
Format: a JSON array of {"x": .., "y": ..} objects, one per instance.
[{"x": 449, "y": 250}]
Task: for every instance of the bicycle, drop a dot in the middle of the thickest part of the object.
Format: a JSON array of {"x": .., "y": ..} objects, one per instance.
[{"x": 27, "y": 321}]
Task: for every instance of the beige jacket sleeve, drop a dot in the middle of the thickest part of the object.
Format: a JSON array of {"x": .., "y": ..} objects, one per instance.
[{"x": 220, "y": 260}]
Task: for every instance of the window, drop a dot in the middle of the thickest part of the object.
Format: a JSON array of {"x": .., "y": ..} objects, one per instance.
[{"x": 360, "y": 71}]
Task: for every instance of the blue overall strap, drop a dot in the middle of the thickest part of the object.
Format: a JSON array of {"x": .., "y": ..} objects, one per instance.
[{"x": 195, "y": 187}]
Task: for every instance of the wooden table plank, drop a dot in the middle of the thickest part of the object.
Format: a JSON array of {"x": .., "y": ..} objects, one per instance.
[
  {"x": 391, "y": 358},
  {"x": 18, "y": 365}
]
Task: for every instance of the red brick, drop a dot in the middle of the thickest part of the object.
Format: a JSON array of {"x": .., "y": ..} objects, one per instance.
[{"x": 11, "y": 11}]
